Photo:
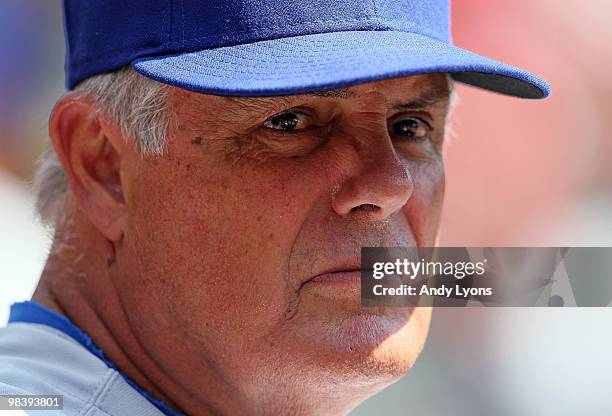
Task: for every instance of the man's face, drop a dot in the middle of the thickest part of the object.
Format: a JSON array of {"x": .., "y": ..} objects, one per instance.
[{"x": 232, "y": 231}]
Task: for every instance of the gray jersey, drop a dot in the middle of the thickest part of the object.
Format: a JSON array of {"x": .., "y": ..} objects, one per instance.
[{"x": 39, "y": 359}]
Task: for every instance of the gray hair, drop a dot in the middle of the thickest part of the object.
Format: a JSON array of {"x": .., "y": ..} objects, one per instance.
[{"x": 136, "y": 103}]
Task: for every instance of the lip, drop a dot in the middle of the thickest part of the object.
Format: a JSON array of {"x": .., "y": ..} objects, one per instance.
[{"x": 338, "y": 277}]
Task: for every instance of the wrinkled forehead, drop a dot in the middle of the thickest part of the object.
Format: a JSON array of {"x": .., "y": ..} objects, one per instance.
[{"x": 422, "y": 90}]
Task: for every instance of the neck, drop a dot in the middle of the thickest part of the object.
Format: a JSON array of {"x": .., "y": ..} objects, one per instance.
[{"x": 77, "y": 282}]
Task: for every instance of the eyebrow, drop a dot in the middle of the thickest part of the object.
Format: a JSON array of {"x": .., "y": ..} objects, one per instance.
[
  {"x": 335, "y": 93},
  {"x": 425, "y": 99}
]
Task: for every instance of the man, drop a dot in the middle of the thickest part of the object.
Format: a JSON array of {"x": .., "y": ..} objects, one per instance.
[{"x": 212, "y": 179}]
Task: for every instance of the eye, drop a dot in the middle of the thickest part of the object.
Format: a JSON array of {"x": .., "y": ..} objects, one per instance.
[
  {"x": 411, "y": 127},
  {"x": 288, "y": 121}
]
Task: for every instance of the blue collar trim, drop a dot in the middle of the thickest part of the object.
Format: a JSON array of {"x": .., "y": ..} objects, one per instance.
[{"x": 35, "y": 313}]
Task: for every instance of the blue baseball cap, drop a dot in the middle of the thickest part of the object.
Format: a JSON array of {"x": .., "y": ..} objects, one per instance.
[{"x": 277, "y": 47}]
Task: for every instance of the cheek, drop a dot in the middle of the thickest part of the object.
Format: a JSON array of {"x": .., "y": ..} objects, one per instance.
[
  {"x": 424, "y": 208},
  {"x": 215, "y": 245}
]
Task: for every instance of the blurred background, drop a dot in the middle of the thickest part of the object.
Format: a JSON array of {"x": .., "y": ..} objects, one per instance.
[{"x": 519, "y": 173}]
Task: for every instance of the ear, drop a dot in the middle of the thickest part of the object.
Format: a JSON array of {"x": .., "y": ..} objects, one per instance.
[{"x": 90, "y": 149}]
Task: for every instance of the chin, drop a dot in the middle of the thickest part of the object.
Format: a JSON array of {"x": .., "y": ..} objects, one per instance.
[
  {"x": 370, "y": 346},
  {"x": 385, "y": 345}
]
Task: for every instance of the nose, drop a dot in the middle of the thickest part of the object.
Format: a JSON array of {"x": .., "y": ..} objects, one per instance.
[{"x": 382, "y": 186}]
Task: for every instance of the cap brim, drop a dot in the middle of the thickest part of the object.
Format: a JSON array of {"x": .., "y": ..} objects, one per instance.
[{"x": 322, "y": 61}]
